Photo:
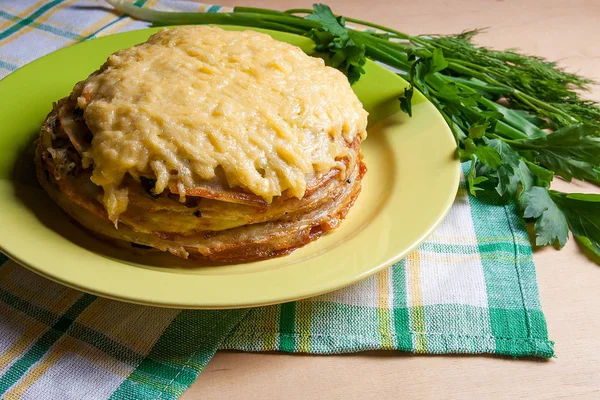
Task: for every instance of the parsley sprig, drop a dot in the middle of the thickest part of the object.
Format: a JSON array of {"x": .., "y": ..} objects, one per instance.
[{"x": 500, "y": 106}]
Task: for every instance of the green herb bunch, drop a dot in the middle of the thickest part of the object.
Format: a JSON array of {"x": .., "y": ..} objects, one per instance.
[{"x": 500, "y": 106}]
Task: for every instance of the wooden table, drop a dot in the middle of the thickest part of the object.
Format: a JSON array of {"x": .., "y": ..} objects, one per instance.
[{"x": 568, "y": 31}]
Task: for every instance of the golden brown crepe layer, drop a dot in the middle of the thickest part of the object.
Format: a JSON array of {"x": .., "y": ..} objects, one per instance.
[{"x": 214, "y": 221}]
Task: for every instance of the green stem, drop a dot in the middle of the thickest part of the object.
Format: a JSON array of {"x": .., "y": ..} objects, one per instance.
[
  {"x": 508, "y": 132},
  {"x": 479, "y": 86},
  {"x": 510, "y": 118},
  {"x": 299, "y": 11},
  {"x": 437, "y": 81},
  {"x": 259, "y": 20},
  {"x": 381, "y": 56},
  {"x": 396, "y": 50},
  {"x": 398, "y": 34},
  {"x": 256, "y": 10},
  {"x": 253, "y": 23},
  {"x": 535, "y": 103},
  {"x": 480, "y": 68},
  {"x": 479, "y": 75}
]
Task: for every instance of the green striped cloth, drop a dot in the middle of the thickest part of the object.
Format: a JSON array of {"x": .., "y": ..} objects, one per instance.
[{"x": 470, "y": 288}]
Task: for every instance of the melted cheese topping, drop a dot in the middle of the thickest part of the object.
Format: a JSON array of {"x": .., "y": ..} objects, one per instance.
[{"x": 192, "y": 99}]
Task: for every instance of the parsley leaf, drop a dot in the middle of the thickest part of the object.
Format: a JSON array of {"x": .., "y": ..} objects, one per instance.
[
  {"x": 544, "y": 176},
  {"x": 583, "y": 215},
  {"x": 475, "y": 180},
  {"x": 571, "y": 152},
  {"x": 406, "y": 100},
  {"x": 550, "y": 222},
  {"x": 322, "y": 14},
  {"x": 346, "y": 52},
  {"x": 522, "y": 175},
  {"x": 477, "y": 130},
  {"x": 489, "y": 156},
  {"x": 508, "y": 155},
  {"x": 507, "y": 173},
  {"x": 438, "y": 62}
]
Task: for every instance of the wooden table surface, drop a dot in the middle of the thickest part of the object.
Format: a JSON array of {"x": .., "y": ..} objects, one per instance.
[{"x": 568, "y": 31}]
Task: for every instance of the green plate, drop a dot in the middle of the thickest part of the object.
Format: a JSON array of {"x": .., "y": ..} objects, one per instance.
[{"x": 410, "y": 185}]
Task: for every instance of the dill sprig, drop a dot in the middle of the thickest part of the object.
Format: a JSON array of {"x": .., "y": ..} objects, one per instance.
[{"x": 527, "y": 74}]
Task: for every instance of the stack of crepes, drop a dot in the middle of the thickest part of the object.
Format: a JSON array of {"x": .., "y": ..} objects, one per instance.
[{"x": 208, "y": 143}]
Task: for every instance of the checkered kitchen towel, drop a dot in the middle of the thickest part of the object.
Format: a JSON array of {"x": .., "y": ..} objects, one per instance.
[{"x": 470, "y": 288}]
